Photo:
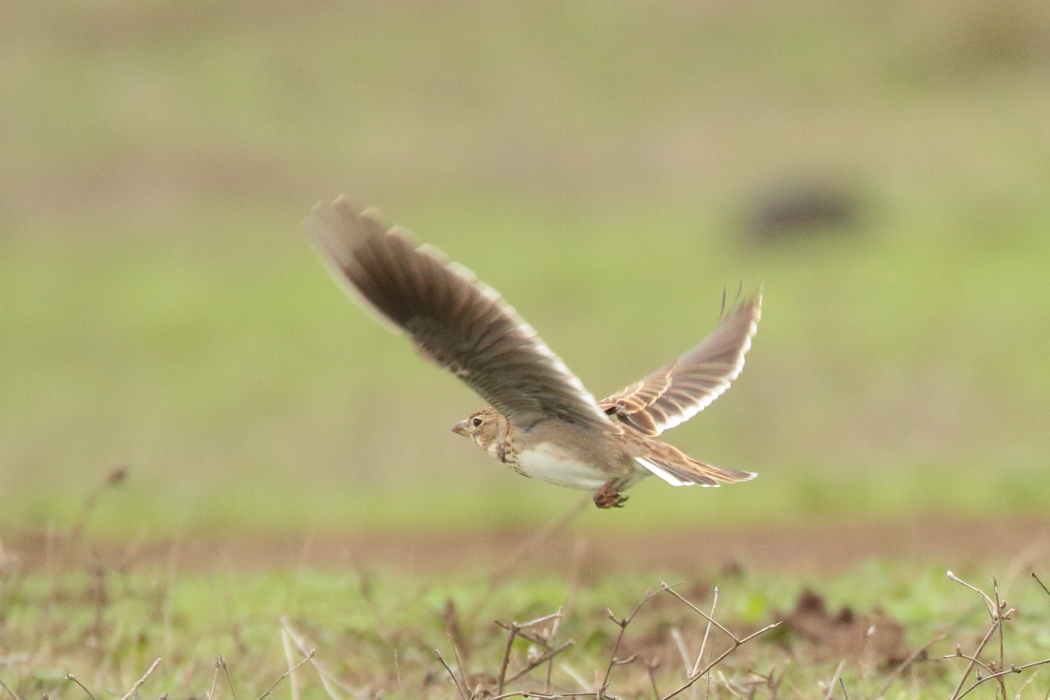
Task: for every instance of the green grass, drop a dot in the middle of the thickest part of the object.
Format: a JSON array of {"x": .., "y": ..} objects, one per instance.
[
  {"x": 376, "y": 632},
  {"x": 160, "y": 309},
  {"x": 217, "y": 371}
]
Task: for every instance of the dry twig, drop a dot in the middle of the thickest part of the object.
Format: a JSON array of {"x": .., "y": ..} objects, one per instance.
[
  {"x": 1041, "y": 584},
  {"x": 328, "y": 679},
  {"x": 139, "y": 682},
  {"x": 214, "y": 680},
  {"x": 541, "y": 637},
  {"x": 997, "y": 670},
  {"x": 737, "y": 641},
  {"x": 501, "y": 678},
  {"x": 13, "y": 694},
  {"x": 835, "y": 678},
  {"x": 707, "y": 633},
  {"x": 220, "y": 664},
  {"x": 287, "y": 642},
  {"x": 459, "y": 686},
  {"x": 904, "y": 665},
  {"x": 289, "y": 672},
  {"x": 613, "y": 661},
  {"x": 71, "y": 677},
  {"x": 542, "y": 659}
]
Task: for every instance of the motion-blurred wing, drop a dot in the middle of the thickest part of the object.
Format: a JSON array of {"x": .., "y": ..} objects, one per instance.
[
  {"x": 459, "y": 322},
  {"x": 677, "y": 392}
]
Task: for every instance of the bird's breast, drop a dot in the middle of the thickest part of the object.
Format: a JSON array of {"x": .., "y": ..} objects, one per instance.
[{"x": 556, "y": 465}]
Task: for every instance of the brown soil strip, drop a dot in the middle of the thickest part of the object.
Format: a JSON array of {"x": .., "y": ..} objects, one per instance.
[{"x": 817, "y": 548}]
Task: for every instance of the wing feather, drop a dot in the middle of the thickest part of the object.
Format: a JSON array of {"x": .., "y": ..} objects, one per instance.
[
  {"x": 459, "y": 322},
  {"x": 675, "y": 393}
]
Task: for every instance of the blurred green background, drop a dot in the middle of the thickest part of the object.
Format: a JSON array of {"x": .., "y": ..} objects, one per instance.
[{"x": 881, "y": 168}]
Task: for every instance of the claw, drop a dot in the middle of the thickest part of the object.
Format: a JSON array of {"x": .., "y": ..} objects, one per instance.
[{"x": 609, "y": 497}]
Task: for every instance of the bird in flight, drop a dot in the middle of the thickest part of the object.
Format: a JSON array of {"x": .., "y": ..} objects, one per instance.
[{"x": 541, "y": 421}]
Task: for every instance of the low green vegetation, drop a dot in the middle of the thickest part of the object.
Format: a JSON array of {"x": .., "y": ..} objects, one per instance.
[{"x": 77, "y": 625}]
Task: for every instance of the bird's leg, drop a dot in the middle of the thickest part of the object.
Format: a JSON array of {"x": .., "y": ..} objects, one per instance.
[{"x": 608, "y": 496}]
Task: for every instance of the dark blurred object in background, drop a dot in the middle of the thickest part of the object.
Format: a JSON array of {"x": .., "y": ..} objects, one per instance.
[{"x": 798, "y": 209}]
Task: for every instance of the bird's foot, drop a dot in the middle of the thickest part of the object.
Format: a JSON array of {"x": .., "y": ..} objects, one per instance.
[{"x": 608, "y": 496}]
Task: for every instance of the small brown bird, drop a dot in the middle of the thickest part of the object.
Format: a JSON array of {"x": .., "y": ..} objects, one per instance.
[{"x": 542, "y": 422}]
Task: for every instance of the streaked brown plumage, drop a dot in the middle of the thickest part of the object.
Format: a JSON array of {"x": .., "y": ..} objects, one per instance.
[{"x": 541, "y": 422}]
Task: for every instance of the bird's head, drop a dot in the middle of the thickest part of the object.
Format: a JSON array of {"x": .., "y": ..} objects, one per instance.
[{"x": 486, "y": 428}]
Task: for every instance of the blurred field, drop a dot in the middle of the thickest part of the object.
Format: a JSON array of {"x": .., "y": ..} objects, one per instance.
[{"x": 608, "y": 167}]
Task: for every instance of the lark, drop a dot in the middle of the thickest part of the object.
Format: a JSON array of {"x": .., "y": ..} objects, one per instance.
[{"x": 541, "y": 421}]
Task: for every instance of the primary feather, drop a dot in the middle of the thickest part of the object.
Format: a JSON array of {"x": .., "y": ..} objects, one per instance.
[
  {"x": 673, "y": 394},
  {"x": 459, "y": 322}
]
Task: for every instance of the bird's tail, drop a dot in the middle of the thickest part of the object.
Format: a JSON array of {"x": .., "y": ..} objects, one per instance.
[{"x": 682, "y": 470}]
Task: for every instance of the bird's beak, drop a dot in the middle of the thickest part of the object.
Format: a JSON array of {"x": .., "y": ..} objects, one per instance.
[{"x": 460, "y": 428}]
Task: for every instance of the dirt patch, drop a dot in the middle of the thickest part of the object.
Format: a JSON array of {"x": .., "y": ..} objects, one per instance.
[
  {"x": 815, "y": 548},
  {"x": 869, "y": 638}
]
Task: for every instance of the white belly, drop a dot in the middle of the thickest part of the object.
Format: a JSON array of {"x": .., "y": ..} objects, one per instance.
[{"x": 554, "y": 465}]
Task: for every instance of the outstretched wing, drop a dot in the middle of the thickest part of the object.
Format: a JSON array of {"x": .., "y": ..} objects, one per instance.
[
  {"x": 459, "y": 322},
  {"x": 675, "y": 393}
]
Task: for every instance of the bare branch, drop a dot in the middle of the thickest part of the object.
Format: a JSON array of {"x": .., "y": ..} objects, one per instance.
[
  {"x": 650, "y": 667},
  {"x": 716, "y": 623},
  {"x": 973, "y": 660},
  {"x": 288, "y": 673},
  {"x": 993, "y": 610},
  {"x": 13, "y": 694},
  {"x": 683, "y": 653},
  {"x": 1041, "y": 584},
  {"x": 736, "y": 645},
  {"x": 506, "y": 657},
  {"x": 139, "y": 682},
  {"x": 71, "y": 677},
  {"x": 214, "y": 680},
  {"x": 1004, "y": 672},
  {"x": 547, "y": 656},
  {"x": 220, "y": 663},
  {"x": 835, "y": 678},
  {"x": 999, "y": 605},
  {"x": 707, "y": 633},
  {"x": 463, "y": 669},
  {"x": 288, "y": 641},
  {"x": 328, "y": 679},
  {"x": 619, "y": 639},
  {"x": 540, "y": 620},
  {"x": 455, "y": 680}
]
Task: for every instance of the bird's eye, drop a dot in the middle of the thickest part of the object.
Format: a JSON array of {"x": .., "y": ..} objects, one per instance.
[{"x": 476, "y": 422}]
